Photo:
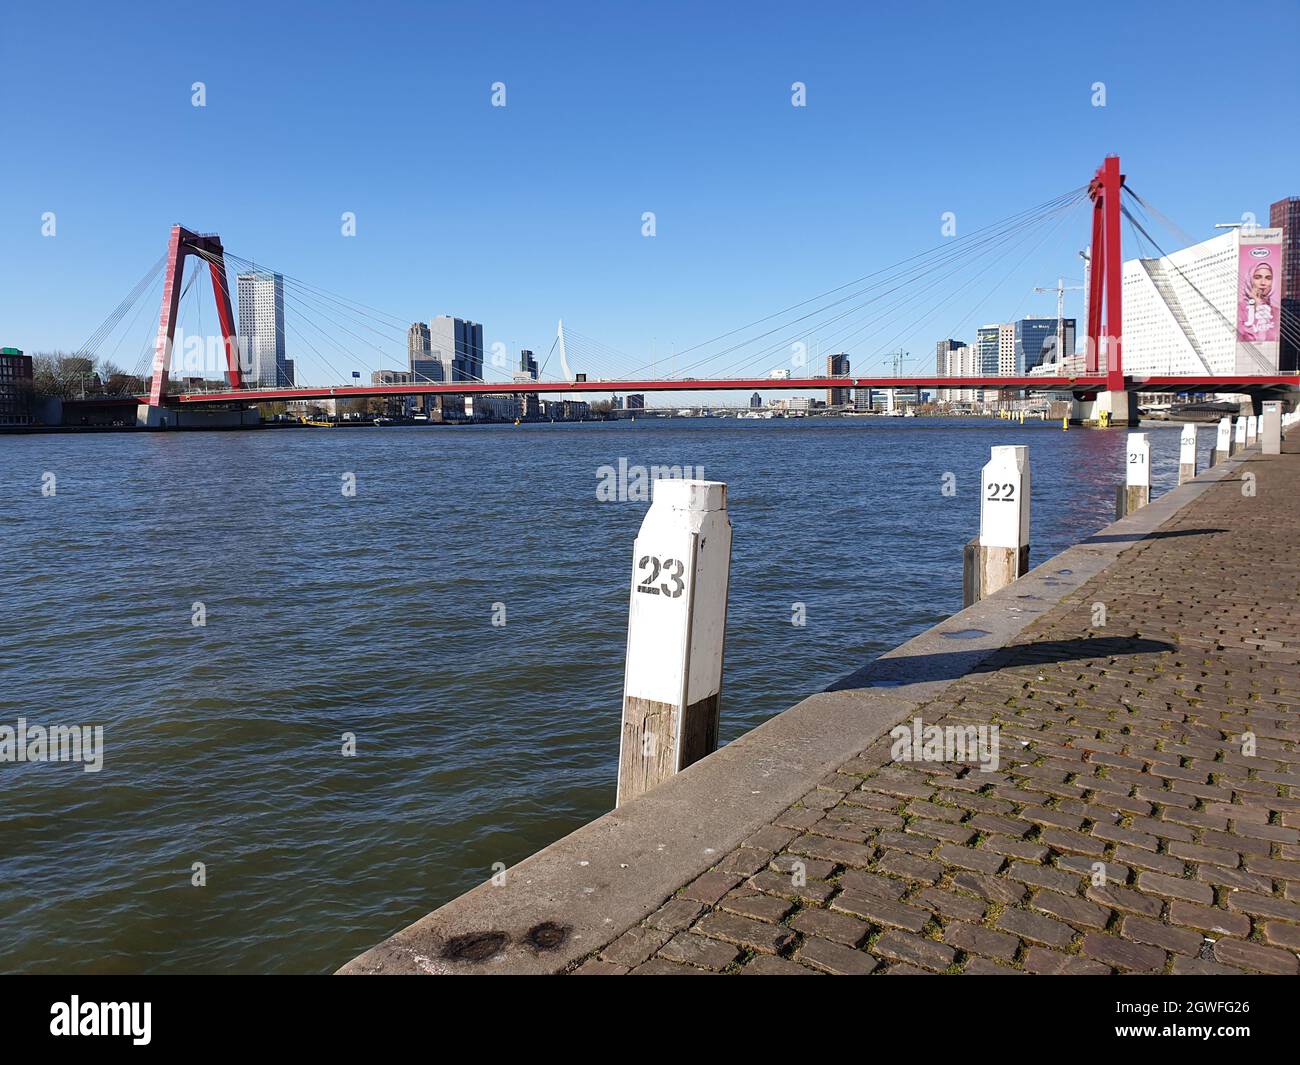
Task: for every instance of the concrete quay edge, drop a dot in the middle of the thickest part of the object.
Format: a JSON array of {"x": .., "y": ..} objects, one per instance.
[{"x": 581, "y": 892}]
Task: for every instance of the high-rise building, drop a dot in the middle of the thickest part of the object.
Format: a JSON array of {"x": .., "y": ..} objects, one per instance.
[
  {"x": 290, "y": 374},
  {"x": 941, "y": 351},
  {"x": 417, "y": 341},
  {"x": 837, "y": 366},
  {"x": 636, "y": 401},
  {"x": 986, "y": 350},
  {"x": 458, "y": 345},
  {"x": 1285, "y": 215},
  {"x": 261, "y": 326},
  {"x": 1035, "y": 342},
  {"x": 528, "y": 364},
  {"x": 755, "y": 401},
  {"x": 15, "y": 387},
  {"x": 1007, "y": 349}
]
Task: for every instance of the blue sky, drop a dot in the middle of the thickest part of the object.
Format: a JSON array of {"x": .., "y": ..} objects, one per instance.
[{"x": 520, "y": 215}]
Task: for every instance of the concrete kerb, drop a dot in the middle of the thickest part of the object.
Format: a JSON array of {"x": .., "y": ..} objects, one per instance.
[{"x": 583, "y": 891}]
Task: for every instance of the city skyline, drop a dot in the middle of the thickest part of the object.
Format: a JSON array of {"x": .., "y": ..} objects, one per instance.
[{"x": 731, "y": 240}]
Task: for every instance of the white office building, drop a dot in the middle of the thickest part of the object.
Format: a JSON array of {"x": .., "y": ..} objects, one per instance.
[
  {"x": 1212, "y": 308},
  {"x": 261, "y": 328}
]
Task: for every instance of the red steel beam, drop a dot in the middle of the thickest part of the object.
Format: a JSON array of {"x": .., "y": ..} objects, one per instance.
[{"x": 1081, "y": 384}]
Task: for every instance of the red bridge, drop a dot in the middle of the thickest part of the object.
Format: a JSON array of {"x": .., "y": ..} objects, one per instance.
[{"x": 1101, "y": 374}]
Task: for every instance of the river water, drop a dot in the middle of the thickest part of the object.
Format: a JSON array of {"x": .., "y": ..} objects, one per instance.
[{"x": 371, "y": 614}]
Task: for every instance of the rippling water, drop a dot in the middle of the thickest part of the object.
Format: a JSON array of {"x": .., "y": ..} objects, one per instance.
[{"x": 373, "y": 615}]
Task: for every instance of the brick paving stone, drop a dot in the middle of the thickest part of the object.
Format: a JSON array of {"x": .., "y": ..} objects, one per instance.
[
  {"x": 746, "y": 861},
  {"x": 1178, "y": 940},
  {"x": 1122, "y": 954},
  {"x": 1125, "y": 899},
  {"x": 913, "y": 950},
  {"x": 757, "y": 936},
  {"x": 1035, "y": 928},
  {"x": 1209, "y": 919},
  {"x": 835, "y": 959},
  {"x": 675, "y": 914},
  {"x": 880, "y": 911},
  {"x": 634, "y": 946},
  {"x": 838, "y": 851},
  {"x": 993, "y": 888},
  {"x": 1256, "y": 957},
  {"x": 969, "y": 858},
  {"x": 812, "y": 868},
  {"x": 1052, "y": 963},
  {"x": 1044, "y": 876},
  {"x": 1282, "y": 935},
  {"x": 774, "y": 883},
  {"x": 910, "y": 866},
  {"x": 861, "y": 882},
  {"x": 825, "y": 924},
  {"x": 1071, "y": 909},
  {"x": 1200, "y": 967},
  {"x": 690, "y": 949},
  {"x": 1176, "y": 888},
  {"x": 984, "y": 967},
  {"x": 1263, "y": 906},
  {"x": 769, "y": 966},
  {"x": 976, "y": 940},
  {"x": 950, "y": 904},
  {"x": 769, "y": 908},
  {"x": 710, "y": 887}
]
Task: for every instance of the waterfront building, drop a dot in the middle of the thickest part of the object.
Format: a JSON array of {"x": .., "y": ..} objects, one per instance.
[
  {"x": 636, "y": 401},
  {"x": 457, "y": 344},
  {"x": 1035, "y": 342},
  {"x": 941, "y": 352},
  {"x": 755, "y": 401},
  {"x": 417, "y": 341},
  {"x": 1285, "y": 215},
  {"x": 492, "y": 408},
  {"x": 15, "y": 387},
  {"x": 261, "y": 327},
  {"x": 1007, "y": 349},
  {"x": 1211, "y": 308},
  {"x": 837, "y": 366}
]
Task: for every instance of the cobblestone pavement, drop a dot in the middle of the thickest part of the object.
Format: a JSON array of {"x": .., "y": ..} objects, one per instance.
[{"x": 1124, "y": 831}]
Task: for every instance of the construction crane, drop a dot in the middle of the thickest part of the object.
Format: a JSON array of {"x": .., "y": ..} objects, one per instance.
[{"x": 1061, "y": 288}]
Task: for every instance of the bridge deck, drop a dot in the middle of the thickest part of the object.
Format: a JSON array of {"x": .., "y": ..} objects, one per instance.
[
  {"x": 1119, "y": 745},
  {"x": 1079, "y": 385}
]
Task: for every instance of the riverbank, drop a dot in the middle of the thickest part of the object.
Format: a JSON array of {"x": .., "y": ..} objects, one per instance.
[{"x": 1124, "y": 830}]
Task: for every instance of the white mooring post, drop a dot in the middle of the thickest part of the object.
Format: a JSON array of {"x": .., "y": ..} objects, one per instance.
[
  {"x": 1001, "y": 553},
  {"x": 1239, "y": 436},
  {"x": 676, "y": 628},
  {"x": 1187, "y": 454},
  {"x": 1223, "y": 440},
  {"x": 1271, "y": 433},
  {"x": 1136, "y": 492}
]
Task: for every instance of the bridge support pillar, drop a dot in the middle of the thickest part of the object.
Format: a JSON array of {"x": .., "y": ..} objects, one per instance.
[
  {"x": 154, "y": 416},
  {"x": 1105, "y": 410}
]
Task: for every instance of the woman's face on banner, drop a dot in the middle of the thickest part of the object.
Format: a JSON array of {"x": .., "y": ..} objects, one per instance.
[{"x": 1262, "y": 280}]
